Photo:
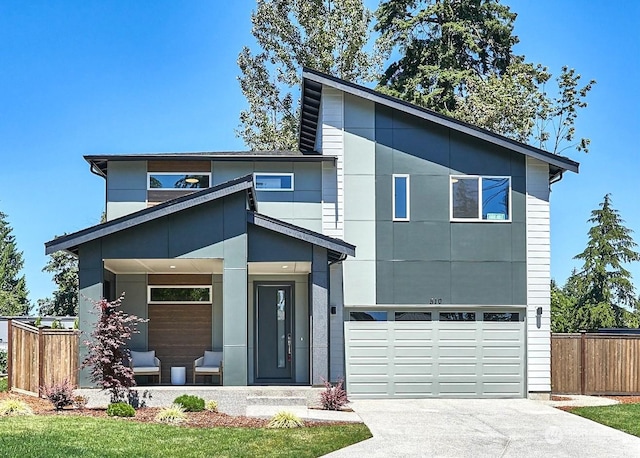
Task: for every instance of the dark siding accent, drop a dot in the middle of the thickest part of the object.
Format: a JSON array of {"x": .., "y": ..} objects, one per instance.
[
  {"x": 179, "y": 166},
  {"x": 266, "y": 245},
  {"x": 429, "y": 256},
  {"x": 156, "y": 197},
  {"x": 179, "y": 334},
  {"x": 179, "y": 279}
]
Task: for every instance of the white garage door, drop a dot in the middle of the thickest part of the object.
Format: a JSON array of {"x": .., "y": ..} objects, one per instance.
[{"x": 458, "y": 354}]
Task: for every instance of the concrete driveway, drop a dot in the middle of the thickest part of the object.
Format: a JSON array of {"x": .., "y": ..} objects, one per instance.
[{"x": 482, "y": 428}]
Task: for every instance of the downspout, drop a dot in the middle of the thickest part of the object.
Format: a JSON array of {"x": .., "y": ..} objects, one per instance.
[{"x": 555, "y": 178}]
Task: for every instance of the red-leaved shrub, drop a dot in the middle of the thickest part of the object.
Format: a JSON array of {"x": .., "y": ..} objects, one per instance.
[
  {"x": 60, "y": 394},
  {"x": 333, "y": 397}
]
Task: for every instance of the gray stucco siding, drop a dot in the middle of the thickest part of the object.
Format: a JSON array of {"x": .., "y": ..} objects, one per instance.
[
  {"x": 474, "y": 263},
  {"x": 126, "y": 188}
]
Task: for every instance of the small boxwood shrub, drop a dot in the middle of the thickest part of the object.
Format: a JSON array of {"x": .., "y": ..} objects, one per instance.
[
  {"x": 120, "y": 409},
  {"x": 285, "y": 420},
  {"x": 190, "y": 403},
  {"x": 174, "y": 414}
]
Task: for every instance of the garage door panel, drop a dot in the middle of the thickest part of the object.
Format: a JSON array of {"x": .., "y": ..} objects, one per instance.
[
  {"x": 435, "y": 359},
  {"x": 425, "y": 352},
  {"x": 369, "y": 352},
  {"x": 445, "y": 351},
  {"x": 423, "y": 389},
  {"x": 500, "y": 351},
  {"x": 414, "y": 368}
]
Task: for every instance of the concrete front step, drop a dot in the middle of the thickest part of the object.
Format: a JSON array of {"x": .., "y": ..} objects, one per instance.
[{"x": 300, "y": 401}]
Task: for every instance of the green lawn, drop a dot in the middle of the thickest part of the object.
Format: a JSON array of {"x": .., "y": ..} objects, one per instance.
[
  {"x": 67, "y": 436},
  {"x": 625, "y": 417}
]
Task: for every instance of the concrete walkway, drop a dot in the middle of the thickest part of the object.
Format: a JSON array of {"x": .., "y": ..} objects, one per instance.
[{"x": 482, "y": 428}]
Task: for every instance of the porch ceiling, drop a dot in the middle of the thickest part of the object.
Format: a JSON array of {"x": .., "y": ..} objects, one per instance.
[
  {"x": 279, "y": 268},
  {"x": 164, "y": 266}
]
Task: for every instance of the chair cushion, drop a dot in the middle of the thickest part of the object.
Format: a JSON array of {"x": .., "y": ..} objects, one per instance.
[
  {"x": 212, "y": 358},
  {"x": 208, "y": 369},
  {"x": 143, "y": 358},
  {"x": 141, "y": 369}
]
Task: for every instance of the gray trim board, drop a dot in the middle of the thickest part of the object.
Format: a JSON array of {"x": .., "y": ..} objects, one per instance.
[
  {"x": 296, "y": 232},
  {"x": 98, "y": 163},
  {"x": 308, "y": 131},
  {"x": 72, "y": 241}
]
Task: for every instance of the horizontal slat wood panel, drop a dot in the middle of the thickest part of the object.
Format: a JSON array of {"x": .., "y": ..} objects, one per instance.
[
  {"x": 179, "y": 334},
  {"x": 179, "y": 166},
  {"x": 179, "y": 279},
  {"x": 156, "y": 197}
]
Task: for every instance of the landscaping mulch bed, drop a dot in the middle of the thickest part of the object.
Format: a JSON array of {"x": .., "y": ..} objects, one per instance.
[
  {"x": 626, "y": 399},
  {"x": 147, "y": 415},
  {"x": 560, "y": 398}
]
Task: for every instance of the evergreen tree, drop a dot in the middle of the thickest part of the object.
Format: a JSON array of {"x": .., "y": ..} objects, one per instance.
[
  {"x": 441, "y": 44},
  {"x": 327, "y": 35},
  {"x": 606, "y": 292},
  {"x": 456, "y": 57},
  {"x": 563, "y": 310},
  {"x": 64, "y": 267},
  {"x": 13, "y": 289}
]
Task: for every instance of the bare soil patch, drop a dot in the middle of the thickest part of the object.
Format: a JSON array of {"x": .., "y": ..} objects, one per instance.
[
  {"x": 147, "y": 415},
  {"x": 560, "y": 398},
  {"x": 626, "y": 399}
]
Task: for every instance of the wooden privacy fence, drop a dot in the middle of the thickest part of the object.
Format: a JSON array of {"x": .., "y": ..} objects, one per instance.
[
  {"x": 39, "y": 357},
  {"x": 590, "y": 363}
]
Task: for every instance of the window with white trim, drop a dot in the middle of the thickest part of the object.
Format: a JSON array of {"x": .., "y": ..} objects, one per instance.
[
  {"x": 177, "y": 180},
  {"x": 480, "y": 198},
  {"x": 401, "y": 197},
  {"x": 273, "y": 181}
]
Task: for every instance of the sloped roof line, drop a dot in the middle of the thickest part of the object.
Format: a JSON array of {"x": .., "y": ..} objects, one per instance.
[
  {"x": 168, "y": 207},
  {"x": 312, "y": 78}
]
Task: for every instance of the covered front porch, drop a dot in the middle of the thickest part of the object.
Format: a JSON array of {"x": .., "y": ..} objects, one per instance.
[{"x": 210, "y": 273}]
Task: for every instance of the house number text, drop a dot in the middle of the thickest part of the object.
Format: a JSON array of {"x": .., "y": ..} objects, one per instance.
[{"x": 435, "y": 300}]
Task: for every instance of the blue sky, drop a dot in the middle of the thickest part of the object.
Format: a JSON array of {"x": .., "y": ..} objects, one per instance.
[{"x": 97, "y": 77}]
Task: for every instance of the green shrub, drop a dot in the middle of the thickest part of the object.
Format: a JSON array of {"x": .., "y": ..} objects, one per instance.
[
  {"x": 4, "y": 384},
  {"x": 285, "y": 420},
  {"x": 190, "y": 403},
  {"x": 120, "y": 409},
  {"x": 211, "y": 406},
  {"x": 174, "y": 414},
  {"x": 3, "y": 361},
  {"x": 14, "y": 407}
]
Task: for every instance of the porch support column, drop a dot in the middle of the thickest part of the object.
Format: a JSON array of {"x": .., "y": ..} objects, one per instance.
[
  {"x": 234, "y": 311},
  {"x": 90, "y": 278},
  {"x": 320, "y": 315}
]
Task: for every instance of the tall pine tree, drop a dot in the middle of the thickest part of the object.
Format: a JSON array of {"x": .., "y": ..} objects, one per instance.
[
  {"x": 456, "y": 57},
  {"x": 606, "y": 292},
  {"x": 64, "y": 267},
  {"x": 327, "y": 35},
  {"x": 13, "y": 289}
]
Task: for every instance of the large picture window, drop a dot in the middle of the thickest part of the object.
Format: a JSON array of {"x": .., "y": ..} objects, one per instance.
[
  {"x": 475, "y": 198},
  {"x": 179, "y": 294},
  {"x": 178, "y": 180},
  {"x": 401, "y": 197}
]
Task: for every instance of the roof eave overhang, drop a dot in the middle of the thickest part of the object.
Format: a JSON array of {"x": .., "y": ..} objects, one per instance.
[
  {"x": 71, "y": 242},
  {"x": 311, "y": 76}
]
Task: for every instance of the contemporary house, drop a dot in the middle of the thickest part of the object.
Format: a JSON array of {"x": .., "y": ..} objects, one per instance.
[{"x": 398, "y": 248}]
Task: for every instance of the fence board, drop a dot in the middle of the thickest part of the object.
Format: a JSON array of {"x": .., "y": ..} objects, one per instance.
[
  {"x": 41, "y": 357},
  {"x": 595, "y": 364}
]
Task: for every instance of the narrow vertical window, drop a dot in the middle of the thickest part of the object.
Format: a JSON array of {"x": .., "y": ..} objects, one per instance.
[{"x": 401, "y": 196}]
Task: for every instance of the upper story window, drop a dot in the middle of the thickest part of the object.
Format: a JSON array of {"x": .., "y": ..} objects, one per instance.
[
  {"x": 273, "y": 181},
  {"x": 477, "y": 198},
  {"x": 178, "y": 181},
  {"x": 401, "y": 197}
]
